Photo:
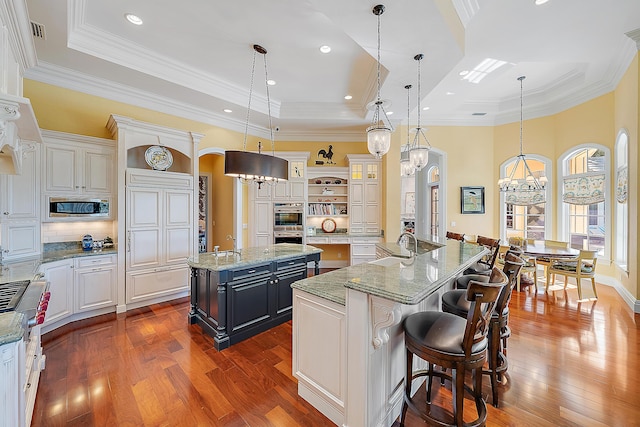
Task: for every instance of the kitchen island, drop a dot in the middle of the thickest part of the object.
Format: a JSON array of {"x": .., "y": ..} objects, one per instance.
[
  {"x": 237, "y": 295},
  {"x": 348, "y": 345}
]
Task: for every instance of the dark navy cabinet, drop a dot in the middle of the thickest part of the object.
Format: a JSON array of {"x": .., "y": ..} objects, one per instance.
[{"x": 236, "y": 303}]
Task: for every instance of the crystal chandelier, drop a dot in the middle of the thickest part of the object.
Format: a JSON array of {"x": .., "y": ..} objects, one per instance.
[
  {"x": 256, "y": 167},
  {"x": 419, "y": 154},
  {"x": 531, "y": 191},
  {"x": 406, "y": 168},
  {"x": 379, "y": 133}
]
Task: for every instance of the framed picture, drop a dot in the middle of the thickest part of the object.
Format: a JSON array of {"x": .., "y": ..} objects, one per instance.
[{"x": 472, "y": 200}]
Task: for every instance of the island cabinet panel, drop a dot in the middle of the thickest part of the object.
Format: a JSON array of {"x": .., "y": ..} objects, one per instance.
[{"x": 236, "y": 303}]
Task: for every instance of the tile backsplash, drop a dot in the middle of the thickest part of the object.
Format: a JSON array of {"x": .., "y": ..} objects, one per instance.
[{"x": 73, "y": 231}]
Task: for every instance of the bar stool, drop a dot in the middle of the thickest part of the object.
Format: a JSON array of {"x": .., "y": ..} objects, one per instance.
[
  {"x": 484, "y": 266},
  {"x": 454, "y": 302},
  {"x": 448, "y": 341},
  {"x": 455, "y": 236}
]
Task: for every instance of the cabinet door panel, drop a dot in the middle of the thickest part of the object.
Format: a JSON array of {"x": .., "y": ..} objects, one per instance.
[
  {"x": 281, "y": 190},
  {"x": 98, "y": 175},
  {"x": 249, "y": 303},
  {"x": 297, "y": 190},
  {"x": 21, "y": 193},
  {"x": 142, "y": 285},
  {"x": 144, "y": 248},
  {"x": 60, "y": 278},
  {"x": 20, "y": 239},
  {"x": 178, "y": 244},
  {"x": 144, "y": 208},
  {"x": 264, "y": 218},
  {"x": 283, "y": 289},
  {"x": 61, "y": 169},
  {"x": 372, "y": 192},
  {"x": 178, "y": 208},
  {"x": 95, "y": 288},
  {"x": 357, "y": 193}
]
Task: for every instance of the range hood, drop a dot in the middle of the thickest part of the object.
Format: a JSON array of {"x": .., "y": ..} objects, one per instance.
[{"x": 18, "y": 125}]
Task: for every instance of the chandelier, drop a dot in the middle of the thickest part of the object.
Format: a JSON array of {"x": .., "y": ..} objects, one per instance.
[
  {"x": 531, "y": 191},
  {"x": 379, "y": 133},
  {"x": 406, "y": 168},
  {"x": 419, "y": 154},
  {"x": 256, "y": 167}
]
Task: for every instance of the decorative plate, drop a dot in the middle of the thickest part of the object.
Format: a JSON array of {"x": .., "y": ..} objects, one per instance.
[
  {"x": 328, "y": 225},
  {"x": 159, "y": 158}
]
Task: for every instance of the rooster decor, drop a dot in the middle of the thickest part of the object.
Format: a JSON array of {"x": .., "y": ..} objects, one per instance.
[{"x": 327, "y": 155}]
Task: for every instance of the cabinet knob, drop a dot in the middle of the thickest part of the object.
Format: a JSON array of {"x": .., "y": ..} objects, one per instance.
[
  {"x": 77, "y": 186},
  {"x": 5, "y": 213}
]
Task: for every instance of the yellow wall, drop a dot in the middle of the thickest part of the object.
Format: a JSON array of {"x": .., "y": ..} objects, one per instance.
[
  {"x": 474, "y": 154},
  {"x": 334, "y": 252},
  {"x": 627, "y": 116}
]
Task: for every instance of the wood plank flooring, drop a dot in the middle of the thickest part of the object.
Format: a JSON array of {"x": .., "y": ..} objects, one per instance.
[{"x": 571, "y": 364}]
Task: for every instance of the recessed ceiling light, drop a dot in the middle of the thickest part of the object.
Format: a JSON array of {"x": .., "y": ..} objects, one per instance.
[
  {"x": 425, "y": 108},
  {"x": 348, "y": 97},
  {"x": 271, "y": 82},
  {"x": 451, "y": 93},
  {"x": 227, "y": 110},
  {"x": 463, "y": 73},
  {"x": 325, "y": 49},
  {"x": 389, "y": 113},
  {"x": 539, "y": 2},
  {"x": 134, "y": 19}
]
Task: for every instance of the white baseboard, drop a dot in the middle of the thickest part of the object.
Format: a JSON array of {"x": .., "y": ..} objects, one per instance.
[
  {"x": 627, "y": 296},
  {"x": 321, "y": 403}
]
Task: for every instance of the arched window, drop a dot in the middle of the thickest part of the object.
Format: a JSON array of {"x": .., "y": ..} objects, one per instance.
[
  {"x": 434, "y": 198},
  {"x": 621, "y": 204},
  {"x": 527, "y": 222},
  {"x": 584, "y": 172}
]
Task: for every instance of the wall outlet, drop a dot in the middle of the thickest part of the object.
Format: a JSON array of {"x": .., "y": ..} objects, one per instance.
[
  {"x": 453, "y": 223},
  {"x": 245, "y": 226},
  {"x": 339, "y": 254}
]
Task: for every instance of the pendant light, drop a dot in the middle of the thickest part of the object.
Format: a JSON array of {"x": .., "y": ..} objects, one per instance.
[
  {"x": 256, "y": 167},
  {"x": 379, "y": 133},
  {"x": 406, "y": 168},
  {"x": 419, "y": 154},
  {"x": 532, "y": 190}
]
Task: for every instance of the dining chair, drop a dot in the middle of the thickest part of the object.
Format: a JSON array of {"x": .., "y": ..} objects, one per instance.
[
  {"x": 453, "y": 343},
  {"x": 583, "y": 267},
  {"x": 545, "y": 261},
  {"x": 529, "y": 267}
]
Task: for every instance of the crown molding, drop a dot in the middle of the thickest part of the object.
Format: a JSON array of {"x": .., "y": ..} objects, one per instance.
[
  {"x": 15, "y": 17},
  {"x": 635, "y": 36},
  {"x": 93, "y": 41}
]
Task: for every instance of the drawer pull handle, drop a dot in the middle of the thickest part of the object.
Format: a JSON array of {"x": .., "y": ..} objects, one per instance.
[
  {"x": 291, "y": 262},
  {"x": 251, "y": 271}
]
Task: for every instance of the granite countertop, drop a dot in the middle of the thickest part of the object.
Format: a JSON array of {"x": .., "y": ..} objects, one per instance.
[
  {"x": 406, "y": 281},
  {"x": 68, "y": 253},
  {"x": 250, "y": 256},
  {"x": 11, "y": 327}
]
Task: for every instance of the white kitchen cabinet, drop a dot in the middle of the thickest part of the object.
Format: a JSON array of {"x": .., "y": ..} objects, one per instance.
[
  {"x": 365, "y": 193},
  {"x": 20, "y": 208},
  {"x": 160, "y": 233},
  {"x": 363, "y": 249},
  {"x": 59, "y": 274},
  {"x": 76, "y": 168},
  {"x": 95, "y": 282},
  {"x": 262, "y": 200}
]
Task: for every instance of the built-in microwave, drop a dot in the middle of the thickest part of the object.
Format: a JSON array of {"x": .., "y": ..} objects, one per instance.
[{"x": 70, "y": 208}]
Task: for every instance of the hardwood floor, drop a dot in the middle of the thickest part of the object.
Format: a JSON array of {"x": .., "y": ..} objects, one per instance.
[{"x": 571, "y": 364}]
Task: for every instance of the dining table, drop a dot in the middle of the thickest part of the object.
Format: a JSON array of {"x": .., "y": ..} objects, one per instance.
[{"x": 538, "y": 249}]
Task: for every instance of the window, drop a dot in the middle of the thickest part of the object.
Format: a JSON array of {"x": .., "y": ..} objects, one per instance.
[
  {"x": 527, "y": 222},
  {"x": 621, "y": 203},
  {"x": 585, "y": 223},
  {"x": 434, "y": 179}
]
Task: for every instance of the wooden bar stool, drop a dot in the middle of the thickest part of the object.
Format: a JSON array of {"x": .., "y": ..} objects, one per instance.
[
  {"x": 446, "y": 340},
  {"x": 484, "y": 266},
  {"x": 454, "y": 302}
]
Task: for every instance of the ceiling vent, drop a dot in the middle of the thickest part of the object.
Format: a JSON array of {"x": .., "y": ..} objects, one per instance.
[
  {"x": 38, "y": 31},
  {"x": 478, "y": 114}
]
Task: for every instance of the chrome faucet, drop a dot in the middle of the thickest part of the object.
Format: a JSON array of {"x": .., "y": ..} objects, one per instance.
[
  {"x": 235, "y": 249},
  {"x": 415, "y": 242}
]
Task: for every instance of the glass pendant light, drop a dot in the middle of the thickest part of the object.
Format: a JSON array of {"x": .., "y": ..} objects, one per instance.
[
  {"x": 379, "y": 133},
  {"x": 419, "y": 154},
  {"x": 406, "y": 168}
]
